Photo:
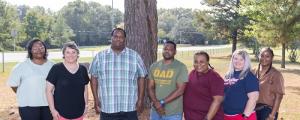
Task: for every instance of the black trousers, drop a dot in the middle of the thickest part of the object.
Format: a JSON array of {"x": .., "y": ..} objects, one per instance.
[
  {"x": 263, "y": 111},
  {"x": 35, "y": 113},
  {"x": 119, "y": 116}
]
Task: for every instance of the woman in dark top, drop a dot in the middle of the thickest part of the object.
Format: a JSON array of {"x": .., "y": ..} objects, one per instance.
[
  {"x": 68, "y": 80},
  {"x": 204, "y": 92},
  {"x": 241, "y": 88}
]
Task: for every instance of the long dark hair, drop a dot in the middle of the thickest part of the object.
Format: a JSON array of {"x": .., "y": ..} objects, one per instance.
[
  {"x": 29, "y": 48},
  {"x": 206, "y": 56},
  {"x": 266, "y": 49}
]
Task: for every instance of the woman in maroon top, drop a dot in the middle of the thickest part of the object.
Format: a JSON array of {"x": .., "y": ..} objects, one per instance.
[{"x": 204, "y": 91}]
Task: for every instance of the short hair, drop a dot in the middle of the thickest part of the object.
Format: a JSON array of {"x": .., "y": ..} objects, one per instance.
[
  {"x": 71, "y": 45},
  {"x": 118, "y": 29},
  {"x": 171, "y": 42},
  {"x": 29, "y": 48}
]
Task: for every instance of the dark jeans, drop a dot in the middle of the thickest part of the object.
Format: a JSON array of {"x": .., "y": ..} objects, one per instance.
[
  {"x": 263, "y": 111},
  {"x": 119, "y": 116},
  {"x": 35, "y": 113}
]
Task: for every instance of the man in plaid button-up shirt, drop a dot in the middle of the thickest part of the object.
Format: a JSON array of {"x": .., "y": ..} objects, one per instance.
[{"x": 118, "y": 74}]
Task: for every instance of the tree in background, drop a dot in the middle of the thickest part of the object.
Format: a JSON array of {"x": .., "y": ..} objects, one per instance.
[
  {"x": 228, "y": 21},
  {"x": 141, "y": 26},
  {"x": 274, "y": 21},
  {"x": 37, "y": 24},
  {"x": 180, "y": 25},
  {"x": 8, "y": 22},
  {"x": 61, "y": 32},
  {"x": 90, "y": 22}
]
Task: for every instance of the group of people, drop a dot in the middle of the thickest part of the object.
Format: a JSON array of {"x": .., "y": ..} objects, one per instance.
[{"x": 118, "y": 78}]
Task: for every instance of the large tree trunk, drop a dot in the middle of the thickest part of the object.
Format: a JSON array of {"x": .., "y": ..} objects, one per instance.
[
  {"x": 283, "y": 55},
  {"x": 234, "y": 40},
  {"x": 141, "y": 27}
]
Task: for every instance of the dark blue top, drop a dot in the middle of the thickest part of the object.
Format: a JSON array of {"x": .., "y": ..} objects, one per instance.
[{"x": 236, "y": 98}]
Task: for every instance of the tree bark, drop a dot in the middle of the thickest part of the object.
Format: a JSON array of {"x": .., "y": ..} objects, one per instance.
[
  {"x": 234, "y": 40},
  {"x": 141, "y": 27},
  {"x": 283, "y": 55}
]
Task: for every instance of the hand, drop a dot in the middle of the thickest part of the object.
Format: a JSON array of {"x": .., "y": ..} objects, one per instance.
[
  {"x": 55, "y": 114},
  {"x": 97, "y": 107},
  {"x": 156, "y": 105},
  {"x": 271, "y": 117},
  {"x": 161, "y": 111},
  {"x": 139, "y": 106}
]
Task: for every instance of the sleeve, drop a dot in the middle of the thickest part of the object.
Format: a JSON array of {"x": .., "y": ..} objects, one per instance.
[
  {"x": 278, "y": 83},
  {"x": 251, "y": 83},
  {"x": 216, "y": 85},
  {"x": 14, "y": 79},
  {"x": 183, "y": 75},
  {"x": 142, "y": 71},
  {"x": 85, "y": 75},
  {"x": 94, "y": 65},
  {"x": 52, "y": 75},
  {"x": 150, "y": 75}
]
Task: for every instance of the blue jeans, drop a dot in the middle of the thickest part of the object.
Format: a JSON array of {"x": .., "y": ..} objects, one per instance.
[
  {"x": 263, "y": 112},
  {"x": 119, "y": 116},
  {"x": 155, "y": 116}
]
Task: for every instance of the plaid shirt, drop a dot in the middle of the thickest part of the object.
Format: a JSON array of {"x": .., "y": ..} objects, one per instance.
[{"x": 117, "y": 76}]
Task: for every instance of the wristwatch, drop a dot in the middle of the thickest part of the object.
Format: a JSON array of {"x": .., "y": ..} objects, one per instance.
[
  {"x": 162, "y": 102},
  {"x": 245, "y": 116}
]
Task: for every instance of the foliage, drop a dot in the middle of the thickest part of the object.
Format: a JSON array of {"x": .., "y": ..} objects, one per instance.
[
  {"x": 273, "y": 22},
  {"x": 74, "y": 22},
  {"x": 293, "y": 48},
  {"x": 227, "y": 20}
]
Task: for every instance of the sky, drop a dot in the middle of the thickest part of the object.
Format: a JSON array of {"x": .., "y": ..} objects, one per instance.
[{"x": 56, "y": 5}]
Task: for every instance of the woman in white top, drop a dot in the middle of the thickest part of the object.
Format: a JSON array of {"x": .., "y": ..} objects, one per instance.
[{"x": 28, "y": 81}]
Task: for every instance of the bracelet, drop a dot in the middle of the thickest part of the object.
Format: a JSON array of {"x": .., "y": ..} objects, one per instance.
[
  {"x": 245, "y": 116},
  {"x": 162, "y": 102}
]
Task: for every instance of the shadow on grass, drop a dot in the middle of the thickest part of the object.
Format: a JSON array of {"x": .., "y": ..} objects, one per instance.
[
  {"x": 9, "y": 114},
  {"x": 293, "y": 71},
  {"x": 295, "y": 89}
]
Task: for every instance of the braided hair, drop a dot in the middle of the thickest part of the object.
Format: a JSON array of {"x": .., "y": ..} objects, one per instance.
[{"x": 266, "y": 49}]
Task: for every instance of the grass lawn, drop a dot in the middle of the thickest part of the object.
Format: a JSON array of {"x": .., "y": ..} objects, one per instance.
[{"x": 289, "y": 110}]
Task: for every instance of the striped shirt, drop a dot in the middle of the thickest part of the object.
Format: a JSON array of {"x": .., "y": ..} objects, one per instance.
[{"x": 117, "y": 76}]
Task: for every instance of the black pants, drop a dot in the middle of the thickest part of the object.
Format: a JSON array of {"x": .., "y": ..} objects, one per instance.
[
  {"x": 263, "y": 112},
  {"x": 119, "y": 116},
  {"x": 35, "y": 113}
]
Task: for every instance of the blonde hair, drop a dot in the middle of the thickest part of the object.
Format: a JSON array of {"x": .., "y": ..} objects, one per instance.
[{"x": 246, "y": 68}]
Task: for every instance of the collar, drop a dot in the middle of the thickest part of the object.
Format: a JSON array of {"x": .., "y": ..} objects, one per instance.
[{"x": 125, "y": 50}]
